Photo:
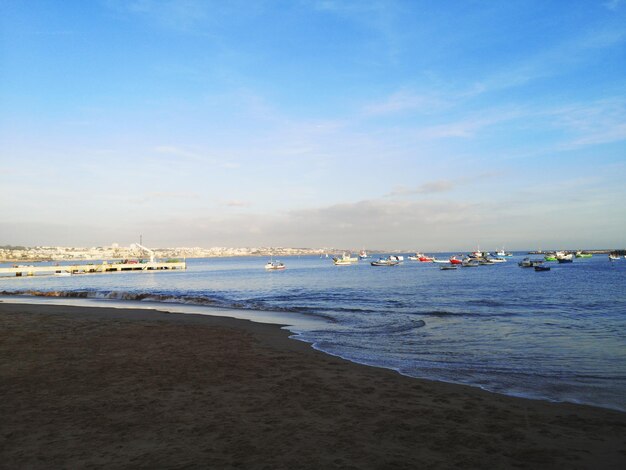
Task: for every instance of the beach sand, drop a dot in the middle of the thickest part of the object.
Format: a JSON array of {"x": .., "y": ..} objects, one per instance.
[{"x": 102, "y": 387}]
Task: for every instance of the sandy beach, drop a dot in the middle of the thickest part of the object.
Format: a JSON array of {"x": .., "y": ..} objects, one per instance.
[{"x": 102, "y": 387}]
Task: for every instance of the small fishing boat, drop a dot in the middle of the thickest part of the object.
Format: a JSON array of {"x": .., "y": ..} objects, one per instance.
[
  {"x": 582, "y": 254},
  {"x": 455, "y": 260},
  {"x": 63, "y": 273},
  {"x": 345, "y": 260},
  {"x": 497, "y": 260},
  {"x": 363, "y": 254},
  {"x": 542, "y": 268},
  {"x": 530, "y": 263},
  {"x": 385, "y": 262},
  {"x": 550, "y": 257},
  {"x": 501, "y": 253},
  {"x": 448, "y": 267},
  {"x": 275, "y": 266},
  {"x": 470, "y": 263},
  {"x": 563, "y": 257},
  {"x": 441, "y": 261},
  {"x": 613, "y": 257}
]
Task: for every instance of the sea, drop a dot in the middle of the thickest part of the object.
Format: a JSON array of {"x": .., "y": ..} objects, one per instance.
[{"x": 558, "y": 335}]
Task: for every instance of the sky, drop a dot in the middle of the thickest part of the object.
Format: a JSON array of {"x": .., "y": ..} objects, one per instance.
[{"x": 416, "y": 125}]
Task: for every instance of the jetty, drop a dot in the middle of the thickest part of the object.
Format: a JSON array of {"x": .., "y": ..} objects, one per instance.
[{"x": 104, "y": 267}]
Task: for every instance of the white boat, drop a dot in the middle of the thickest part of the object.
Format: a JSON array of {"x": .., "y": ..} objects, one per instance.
[
  {"x": 386, "y": 262},
  {"x": 63, "y": 273},
  {"x": 613, "y": 257},
  {"x": 470, "y": 263},
  {"x": 563, "y": 257},
  {"x": 502, "y": 253},
  {"x": 478, "y": 253},
  {"x": 275, "y": 266},
  {"x": 363, "y": 254},
  {"x": 497, "y": 260},
  {"x": 345, "y": 260},
  {"x": 441, "y": 261}
]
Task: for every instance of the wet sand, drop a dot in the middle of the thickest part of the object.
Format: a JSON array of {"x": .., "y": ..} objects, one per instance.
[{"x": 102, "y": 387}]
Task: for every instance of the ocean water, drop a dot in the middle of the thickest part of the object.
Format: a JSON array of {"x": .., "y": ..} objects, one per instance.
[{"x": 557, "y": 335}]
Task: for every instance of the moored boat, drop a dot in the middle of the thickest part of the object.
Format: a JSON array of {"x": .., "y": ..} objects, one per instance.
[
  {"x": 530, "y": 263},
  {"x": 501, "y": 253},
  {"x": 542, "y": 268},
  {"x": 385, "y": 262},
  {"x": 345, "y": 260},
  {"x": 448, "y": 267},
  {"x": 470, "y": 263},
  {"x": 455, "y": 260},
  {"x": 564, "y": 257},
  {"x": 363, "y": 254},
  {"x": 275, "y": 266}
]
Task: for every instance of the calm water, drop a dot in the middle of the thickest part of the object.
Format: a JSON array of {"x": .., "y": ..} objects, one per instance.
[{"x": 557, "y": 335}]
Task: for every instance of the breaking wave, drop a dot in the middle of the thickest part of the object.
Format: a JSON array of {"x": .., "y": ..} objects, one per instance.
[{"x": 185, "y": 299}]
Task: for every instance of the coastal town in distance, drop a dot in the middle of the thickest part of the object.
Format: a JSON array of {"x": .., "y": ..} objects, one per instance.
[
  {"x": 16, "y": 253},
  {"x": 13, "y": 253}
]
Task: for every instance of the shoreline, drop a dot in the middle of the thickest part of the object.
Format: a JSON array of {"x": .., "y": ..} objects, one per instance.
[
  {"x": 292, "y": 322},
  {"x": 104, "y": 386}
]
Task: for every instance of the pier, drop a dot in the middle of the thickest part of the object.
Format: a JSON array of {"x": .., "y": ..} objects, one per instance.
[{"x": 104, "y": 267}]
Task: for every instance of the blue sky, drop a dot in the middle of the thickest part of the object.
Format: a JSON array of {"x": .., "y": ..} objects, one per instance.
[{"x": 418, "y": 125}]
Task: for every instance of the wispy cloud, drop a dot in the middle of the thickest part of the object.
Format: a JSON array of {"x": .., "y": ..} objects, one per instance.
[
  {"x": 612, "y": 4},
  {"x": 470, "y": 125},
  {"x": 194, "y": 156},
  {"x": 165, "y": 196},
  {"x": 177, "y": 14},
  {"x": 62, "y": 32},
  {"x": 177, "y": 152},
  {"x": 379, "y": 17},
  {"x": 440, "y": 186},
  {"x": 551, "y": 61},
  {"x": 597, "y": 122},
  {"x": 401, "y": 101},
  {"x": 237, "y": 203}
]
